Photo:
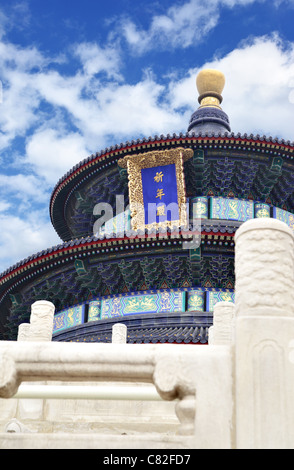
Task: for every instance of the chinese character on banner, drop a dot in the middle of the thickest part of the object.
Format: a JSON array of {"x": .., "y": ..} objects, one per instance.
[
  {"x": 160, "y": 193},
  {"x": 158, "y": 177},
  {"x": 160, "y": 211}
]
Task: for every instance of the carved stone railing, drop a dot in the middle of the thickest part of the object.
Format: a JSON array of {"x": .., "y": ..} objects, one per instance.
[{"x": 175, "y": 372}]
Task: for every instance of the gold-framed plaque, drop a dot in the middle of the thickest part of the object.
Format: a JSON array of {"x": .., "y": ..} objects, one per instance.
[{"x": 157, "y": 193}]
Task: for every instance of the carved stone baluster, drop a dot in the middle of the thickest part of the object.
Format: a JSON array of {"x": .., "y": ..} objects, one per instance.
[
  {"x": 119, "y": 333},
  {"x": 23, "y": 332},
  {"x": 222, "y": 331},
  {"x": 41, "y": 321}
]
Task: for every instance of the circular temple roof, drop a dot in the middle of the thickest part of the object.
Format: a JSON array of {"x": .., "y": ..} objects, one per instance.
[
  {"x": 224, "y": 164},
  {"x": 244, "y": 148}
]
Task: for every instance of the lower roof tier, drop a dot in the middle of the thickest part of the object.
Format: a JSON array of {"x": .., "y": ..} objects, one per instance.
[
  {"x": 79, "y": 272},
  {"x": 82, "y": 270}
]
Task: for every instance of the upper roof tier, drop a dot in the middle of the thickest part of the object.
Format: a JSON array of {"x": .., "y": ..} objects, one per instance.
[{"x": 99, "y": 178}]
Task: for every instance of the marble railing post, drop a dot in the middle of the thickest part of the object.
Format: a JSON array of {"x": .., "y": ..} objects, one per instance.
[
  {"x": 119, "y": 333},
  {"x": 222, "y": 331},
  {"x": 264, "y": 307},
  {"x": 23, "y": 332},
  {"x": 39, "y": 329},
  {"x": 41, "y": 321}
]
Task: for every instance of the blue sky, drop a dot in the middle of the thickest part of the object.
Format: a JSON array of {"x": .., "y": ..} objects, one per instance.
[{"x": 78, "y": 76}]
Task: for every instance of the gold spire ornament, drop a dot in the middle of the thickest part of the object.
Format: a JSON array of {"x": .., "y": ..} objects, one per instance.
[{"x": 210, "y": 84}]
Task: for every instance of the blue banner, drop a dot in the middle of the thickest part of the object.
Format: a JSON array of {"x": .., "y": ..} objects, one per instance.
[
  {"x": 231, "y": 209},
  {"x": 160, "y": 194}
]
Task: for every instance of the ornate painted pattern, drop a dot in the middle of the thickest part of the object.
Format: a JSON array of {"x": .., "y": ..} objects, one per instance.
[
  {"x": 199, "y": 207},
  {"x": 68, "y": 318},
  {"x": 159, "y": 301},
  {"x": 164, "y": 301},
  {"x": 218, "y": 296},
  {"x": 261, "y": 210},
  {"x": 94, "y": 311},
  {"x": 231, "y": 209},
  {"x": 196, "y": 300},
  {"x": 284, "y": 216}
]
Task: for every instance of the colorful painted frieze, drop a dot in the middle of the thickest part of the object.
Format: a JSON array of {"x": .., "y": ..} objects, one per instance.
[
  {"x": 165, "y": 301},
  {"x": 68, "y": 318},
  {"x": 261, "y": 210},
  {"x": 212, "y": 297},
  {"x": 94, "y": 310},
  {"x": 284, "y": 216},
  {"x": 195, "y": 300},
  {"x": 231, "y": 209}
]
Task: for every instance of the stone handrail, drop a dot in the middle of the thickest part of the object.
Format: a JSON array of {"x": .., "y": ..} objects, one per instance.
[{"x": 175, "y": 372}]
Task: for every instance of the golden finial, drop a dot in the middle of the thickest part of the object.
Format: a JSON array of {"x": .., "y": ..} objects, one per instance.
[{"x": 210, "y": 84}]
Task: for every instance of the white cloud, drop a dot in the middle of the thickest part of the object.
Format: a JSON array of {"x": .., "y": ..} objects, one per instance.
[
  {"x": 21, "y": 237},
  {"x": 96, "y": 59},
  {"x": 183, "y": 25},
  {"x": 287, "y": 3},
  {"x": 51, "y": 154},
  {"x": 130, "y": 111},
  {"x": 20, "y": 97},
  {"x": 257, "y": 95},
  {"x": 23, "y": 187},
  {"x": 179, "y": 27},
  {"x": 17, "y": 108},
  {"x": 4, "y": 206},
  {"x": 85, "y": 111},
  {"x": 258, "y": 77},
  {"x": 109, "y": 109}
]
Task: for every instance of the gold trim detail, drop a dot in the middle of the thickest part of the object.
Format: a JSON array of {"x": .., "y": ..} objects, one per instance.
[{"x": 134, "y": 165}]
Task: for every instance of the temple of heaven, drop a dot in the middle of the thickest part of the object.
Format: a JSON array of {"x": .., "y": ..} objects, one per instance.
[{"x": 147, "y": 230}]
